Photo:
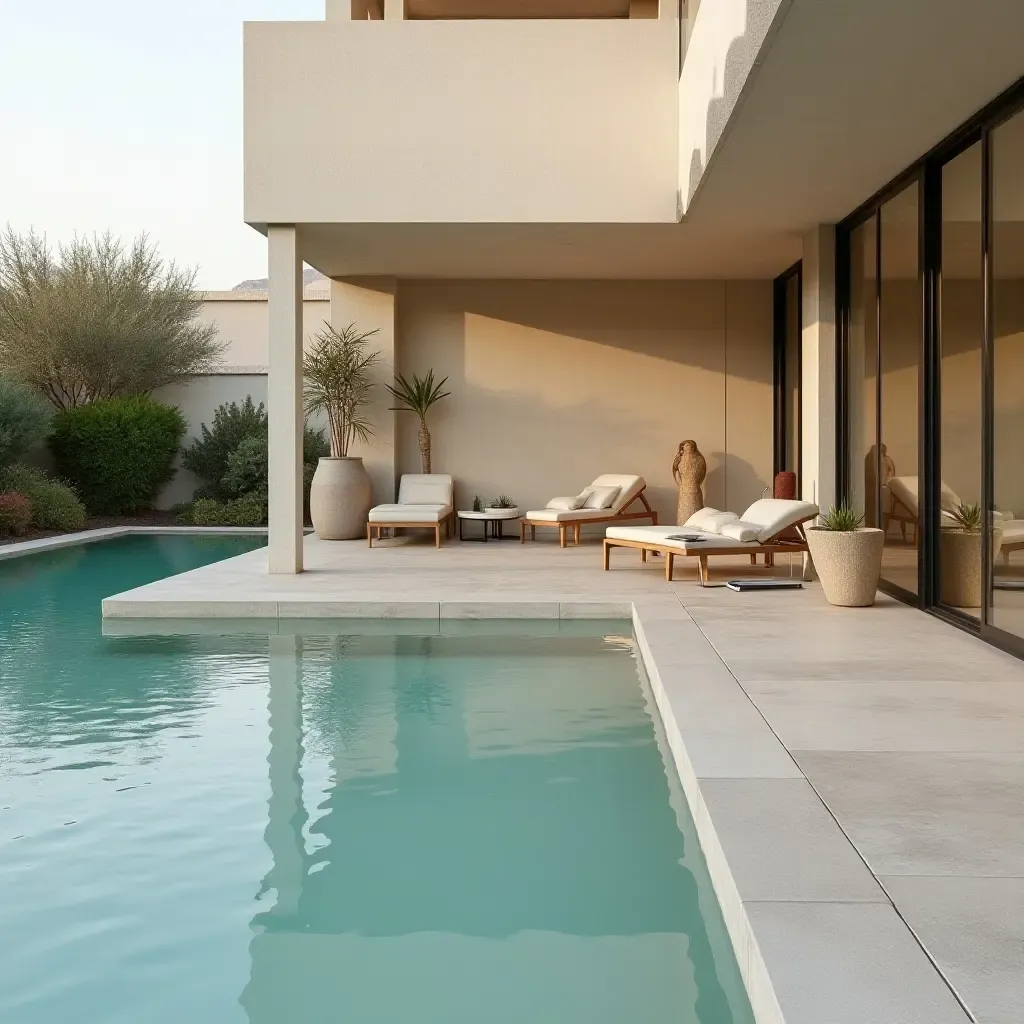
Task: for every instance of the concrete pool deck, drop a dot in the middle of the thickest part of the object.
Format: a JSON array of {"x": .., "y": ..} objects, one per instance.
[{"x": 856, "y": 775}]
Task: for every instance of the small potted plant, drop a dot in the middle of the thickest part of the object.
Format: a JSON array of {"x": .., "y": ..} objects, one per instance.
[
  {"x": 338, "y": 372},
  {"x": 846, "y": 556},
  {"x": 504, "y": 503},
  {"x": 960, "y": 567},
  {"x": 478, "y": 505}
]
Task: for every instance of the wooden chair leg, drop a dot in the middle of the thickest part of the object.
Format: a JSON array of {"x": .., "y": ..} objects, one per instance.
[
  {"x": 533, "y": 532},
  {"x": 437, "y": 536},
  {"x": 753, "y": 559},
  {"x": 702, "y": 561},
  {"x": 670, "y": 559},
  {"x": 369, "y": 535},
  {"x": 606, "y": 554},
  {"x": 576, "y": 534},
  {"x": 643, "y": 555},
  {"x": 561, "y": 535}
]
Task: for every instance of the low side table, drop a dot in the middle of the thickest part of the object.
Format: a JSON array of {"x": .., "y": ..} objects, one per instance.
[{"x": 493, "y": 521}]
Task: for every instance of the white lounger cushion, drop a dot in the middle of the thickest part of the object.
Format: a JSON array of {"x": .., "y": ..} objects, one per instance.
[
  {"x": 629, "y": 487},
  {"x": 739, "y": 530},
  {"x": 409, "y": 513},
  {"x": 425, "y": 489},
  {"x": 773, "y": 515},
  {"x": 601, "y": 497},
  {"x": 580, "y": 515},
  {"x": 709, "y": 519},
  {"x": 659, "y": 534},
  {"x": 906, "y": 489}
]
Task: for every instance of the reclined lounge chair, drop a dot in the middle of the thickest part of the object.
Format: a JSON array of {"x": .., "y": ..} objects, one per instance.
[
  {"x": 607, "y": 500},
  {"x": 424, "y": 501},
  {"x": 770, "y": 526}
]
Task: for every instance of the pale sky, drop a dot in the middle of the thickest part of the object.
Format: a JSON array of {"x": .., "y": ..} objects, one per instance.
[{"x": 127, "y": 115}]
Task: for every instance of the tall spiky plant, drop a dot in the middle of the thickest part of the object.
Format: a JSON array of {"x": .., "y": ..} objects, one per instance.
[
  {"x": 339, "y": 381},
  {"x": 418, "y": 395}
]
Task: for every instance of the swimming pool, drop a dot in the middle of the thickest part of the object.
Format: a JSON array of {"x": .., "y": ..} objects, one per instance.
[{"x": 275, "y": 828}]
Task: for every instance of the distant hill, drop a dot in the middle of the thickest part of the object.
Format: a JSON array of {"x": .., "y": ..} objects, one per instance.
[{"x": 259, "y": 284}]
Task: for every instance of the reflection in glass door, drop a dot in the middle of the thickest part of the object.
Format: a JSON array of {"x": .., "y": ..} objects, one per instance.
[
  {"x": 961, "y": 332},
  {"x": 1007, "y": 375}
]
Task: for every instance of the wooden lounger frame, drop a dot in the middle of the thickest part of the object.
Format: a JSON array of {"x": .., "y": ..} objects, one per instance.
[
  {"x": 446, "y": 522},
  {"x": 622, "y": 516},
  {"x": 899, "y": 514},
  {"x": 791, "y": 539}
]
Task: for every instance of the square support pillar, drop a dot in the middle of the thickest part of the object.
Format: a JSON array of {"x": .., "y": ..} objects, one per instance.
[
  {"x": 394, "y": 10},
  {"x": 284, "y": 399},
  {"x": 818, "y": 462}
]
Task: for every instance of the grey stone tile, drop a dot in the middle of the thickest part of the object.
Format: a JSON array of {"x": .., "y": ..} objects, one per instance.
[
  {"x": 926, "y": 813},
  {"x": 847, "y": 963},
  {"x": 782, "y": 844},
  {"x": 895, "y": 716},
  {"x": 728, "y": 753},
  {"x": 974, "y": 929}
]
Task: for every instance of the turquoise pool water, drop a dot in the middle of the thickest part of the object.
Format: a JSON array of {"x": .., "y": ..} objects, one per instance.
[{"x": 325, "y": 828}]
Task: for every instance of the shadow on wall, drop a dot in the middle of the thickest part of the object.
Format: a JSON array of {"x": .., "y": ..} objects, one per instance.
[
  {"x": 740, "y": 58},
  {"x": 555, "y": 383}
]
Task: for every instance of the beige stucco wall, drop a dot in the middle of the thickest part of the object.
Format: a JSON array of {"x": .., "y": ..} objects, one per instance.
[
  {"x": 553, "y": 383},
  {"x": 242, "y": 323},
  {"x": 543, "y": 121}
]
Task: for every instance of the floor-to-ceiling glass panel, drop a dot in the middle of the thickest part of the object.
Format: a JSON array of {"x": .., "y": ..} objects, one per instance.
[
  {"x": 1007, "y": 313},
  {"x": 961, "y": 330},
  {"x": 900, "y": 333},
  {"x": 862, "y": 364},
  {"x": 792, "y": 377}
]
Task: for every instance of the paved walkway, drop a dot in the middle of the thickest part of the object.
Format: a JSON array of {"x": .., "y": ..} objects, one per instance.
[{"x": 856, "y": 775}]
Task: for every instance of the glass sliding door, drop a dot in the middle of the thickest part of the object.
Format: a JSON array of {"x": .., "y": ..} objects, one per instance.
[
  {"x": 961, "y": 326},
  {"x": 1006, "y": 315},
  {"x": 899, "y": 330}
]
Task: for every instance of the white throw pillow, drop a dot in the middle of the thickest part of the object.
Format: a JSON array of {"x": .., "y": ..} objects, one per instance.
[
  {"x": 739, "y": 530},
  {"x": 567, "y": 504},
  {"x": 710, "y": 520},
  {"x": 601, "y": 497}
]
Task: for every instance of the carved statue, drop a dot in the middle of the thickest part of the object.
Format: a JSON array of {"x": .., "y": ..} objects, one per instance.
[{"x": 688, "y": 471}]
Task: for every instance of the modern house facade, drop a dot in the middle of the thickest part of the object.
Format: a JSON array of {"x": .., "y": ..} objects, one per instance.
[{"x": 791, "y": 230}]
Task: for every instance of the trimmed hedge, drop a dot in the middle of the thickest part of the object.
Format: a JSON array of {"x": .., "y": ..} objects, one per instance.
[
  {"x": 55, "y": 506},
  {"x": 118, "y": 453},
  {"x": 249, "y": 510},
  {"x": 15, "y": 513}
]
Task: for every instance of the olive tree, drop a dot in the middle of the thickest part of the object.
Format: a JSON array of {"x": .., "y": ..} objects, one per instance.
[{"x": 98, "y": 320}]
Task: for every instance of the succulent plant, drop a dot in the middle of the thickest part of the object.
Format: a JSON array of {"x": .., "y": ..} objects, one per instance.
[
  {"x": 503, "y": 501},
  {"x": 478, "y": 505},
  {"x": 967, "y": 518},
  {"x": 841, "y": 519}
]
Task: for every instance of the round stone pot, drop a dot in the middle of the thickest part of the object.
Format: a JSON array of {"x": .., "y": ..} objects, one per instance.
[
  {"x": 960, "y": 575},
  {"x": 340, "y": 498},
  {"x": 848, "y": 564}
]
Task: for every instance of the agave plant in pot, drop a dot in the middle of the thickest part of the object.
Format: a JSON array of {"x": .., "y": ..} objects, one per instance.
[
  {"x": 846, "y": 556},
  {"x": 418, "y": 395},
  {"x": 339, "y": 382},
  {"x": 960, "y": 556}
]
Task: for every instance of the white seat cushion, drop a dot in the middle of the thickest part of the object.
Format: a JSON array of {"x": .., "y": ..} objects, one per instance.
[
  {"x": 409, "y": 513},
  {"x": 425, "y": 489},
  {"x": 660, "y": 536},
  {"x": 555, "y": 515},
  {"x": 773, "y": 515}
]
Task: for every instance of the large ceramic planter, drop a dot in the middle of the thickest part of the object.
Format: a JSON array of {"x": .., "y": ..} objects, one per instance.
[
  {"x": 848, "y": 563},
  {"x": 339, "y": 499},
  {"x": 960, "y": 576}
]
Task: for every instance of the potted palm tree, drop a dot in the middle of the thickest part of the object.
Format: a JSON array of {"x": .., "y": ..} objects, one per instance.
[
  {"x": 846, "y": 556},
  {"x": 338, "y": 372},
  {"x": 960, "y": 546},
  {"x": 418, "y": 395}
]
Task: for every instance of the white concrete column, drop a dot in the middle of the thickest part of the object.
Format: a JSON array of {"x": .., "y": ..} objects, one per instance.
[
  {"x": 818, "y": 462},
  {"x": 394, "y": 10},
  {"x": 371, "y": 304},
  {"x": 284, "y": 399}
]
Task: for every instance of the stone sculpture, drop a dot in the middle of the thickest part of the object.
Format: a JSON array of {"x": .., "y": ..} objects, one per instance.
[{"x": 688, "y": 471}]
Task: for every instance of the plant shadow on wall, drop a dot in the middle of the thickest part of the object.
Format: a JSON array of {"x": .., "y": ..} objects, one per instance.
[{"x": 556, "y": 382}]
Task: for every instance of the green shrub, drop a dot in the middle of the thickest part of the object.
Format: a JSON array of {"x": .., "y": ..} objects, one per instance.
[
  {"x": 118, "y": 453},
  {"x": 15, "y": 513},
  {"x": 249, "y": 510},
  {"x": 24, "y": 421},
  {"x": 207, "y": 456},
  {"x": 55, "y": 506},
  {"x": 247, "y": 468}
]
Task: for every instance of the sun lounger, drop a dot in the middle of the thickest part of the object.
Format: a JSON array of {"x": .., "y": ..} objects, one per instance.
[
  {"x": 769, "y": 527},
  {"x": 607, "y": 500}
]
